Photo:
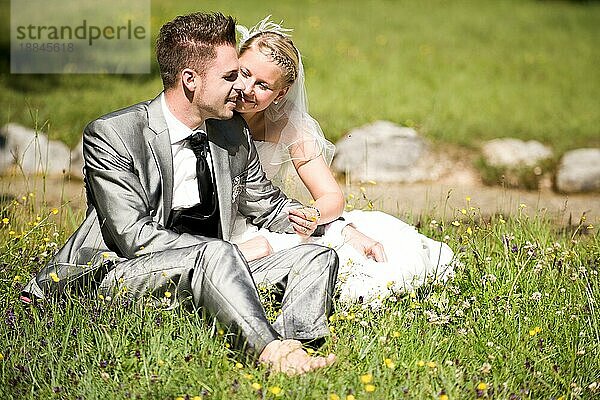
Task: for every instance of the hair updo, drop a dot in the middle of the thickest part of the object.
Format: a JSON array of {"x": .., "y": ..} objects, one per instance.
[{"x": 280, "y": 49}]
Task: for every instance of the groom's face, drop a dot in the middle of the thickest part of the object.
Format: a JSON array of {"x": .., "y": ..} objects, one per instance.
[{"x": 220, "y": 85}]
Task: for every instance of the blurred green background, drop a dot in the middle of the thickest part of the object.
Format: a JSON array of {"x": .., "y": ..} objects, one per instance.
[{"x": 459, "y": 71}]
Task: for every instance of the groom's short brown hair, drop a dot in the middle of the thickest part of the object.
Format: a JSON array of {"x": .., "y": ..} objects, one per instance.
[{"x": 189, "y": 41}]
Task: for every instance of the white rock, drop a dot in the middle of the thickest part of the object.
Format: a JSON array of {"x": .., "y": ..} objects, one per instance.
[
  {"x": 514, "y": 152},
  {"x": 385, "y": 152},
  {"x": 579, "y": 171},
  {"x": 77, "y": 160},
  {"x": 32, "y": 152}
]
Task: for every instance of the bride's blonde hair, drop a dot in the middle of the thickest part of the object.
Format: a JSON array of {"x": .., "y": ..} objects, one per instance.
[{"x": 280, "y": 49}]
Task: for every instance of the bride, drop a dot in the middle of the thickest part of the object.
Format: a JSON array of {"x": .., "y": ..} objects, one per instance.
[{"x": 379, "y": 254}]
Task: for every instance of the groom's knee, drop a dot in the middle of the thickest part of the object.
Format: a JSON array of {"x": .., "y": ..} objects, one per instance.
[
  {"x": 320, "y": 257},
  {"x": 218, "y": 259}
]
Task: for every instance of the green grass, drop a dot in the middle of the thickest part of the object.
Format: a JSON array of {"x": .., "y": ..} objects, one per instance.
[
  {"x": 460, "y": 71},
  {"x": 519, "y": 319}
]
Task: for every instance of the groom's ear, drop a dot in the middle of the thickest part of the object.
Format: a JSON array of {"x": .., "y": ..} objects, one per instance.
[{"x": 190, "y": 79}]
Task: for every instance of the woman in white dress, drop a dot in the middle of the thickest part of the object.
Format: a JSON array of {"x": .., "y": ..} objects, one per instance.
[{"x": 379, "y": 254}]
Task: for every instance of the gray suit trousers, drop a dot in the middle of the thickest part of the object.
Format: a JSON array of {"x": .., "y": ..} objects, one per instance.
[{"x": 215, "y": 277}]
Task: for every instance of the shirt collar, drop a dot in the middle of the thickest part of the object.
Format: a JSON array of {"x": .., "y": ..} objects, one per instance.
[{"x": 178, "y": 131}]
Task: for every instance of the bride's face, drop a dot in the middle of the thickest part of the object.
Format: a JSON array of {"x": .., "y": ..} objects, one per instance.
[{"x": 263, "y": 80}]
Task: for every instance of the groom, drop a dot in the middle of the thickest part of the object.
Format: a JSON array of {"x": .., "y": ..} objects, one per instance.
[{"x": 161, "y": 206}]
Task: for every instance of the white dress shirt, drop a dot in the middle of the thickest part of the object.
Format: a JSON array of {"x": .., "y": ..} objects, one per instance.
[{"x": 185, "y": 184}]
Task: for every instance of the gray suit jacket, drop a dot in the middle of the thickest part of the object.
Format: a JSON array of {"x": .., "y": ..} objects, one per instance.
[{"x": 129, "y": 183}]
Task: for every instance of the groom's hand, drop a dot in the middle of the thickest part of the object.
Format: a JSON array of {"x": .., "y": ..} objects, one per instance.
[
  {"x": 255, "y": 248},
  {"x": 364, "y": 244}
]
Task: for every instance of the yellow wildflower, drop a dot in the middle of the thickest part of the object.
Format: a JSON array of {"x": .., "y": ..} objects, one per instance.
[
  {"x": 463, "y": 211},
  {"x": 481, "y": 386},
  {"x": 256, "y": 386},
  {"x": 248, "y": 376},
  {"x": 11, "y": 233},
  {"x": 535, "y": 331},
  {"x": 17, "y": 278},
  {"x": 389, "y": 363},
  {"x": 469, "y": 230},
  {"x": 197, "y": 398},
  {"x": 444, "y": 397},
  {"x": 276, "y": 390},
  {"x": 55, "y": 211},
  {"x": 1, "y": 356},
  {"x": 221, "y": 332},
  {"x": 239, "y": 365},
  {"x": 431, "y": 364},
  {"x": 5, "y": 220},
  {"x": 54, "y": 277},
  {"x": 350, "y": 397},
  {"x": 334, "y": 396},
  {"x": 396, "y": 334},
  {"x": 167, "y": 294},
  {"x": 179, "y": 398},
  {"x": 455, "y": 223},
  {"x": 420, "y": 363},
  {"x": 369, "y": 388},
  {"x": 366, "y": 378},
  {"x": 468, "y": 199}
]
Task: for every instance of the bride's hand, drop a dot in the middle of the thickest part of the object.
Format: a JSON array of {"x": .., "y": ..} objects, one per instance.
[
  {"x": 304, "y": 220},
  {"x": 364, "y": 244},
  {"x": 255, "y": 248}
]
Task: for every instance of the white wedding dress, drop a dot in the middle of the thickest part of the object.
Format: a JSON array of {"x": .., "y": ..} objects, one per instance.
[{"x": 413, "y": 258}]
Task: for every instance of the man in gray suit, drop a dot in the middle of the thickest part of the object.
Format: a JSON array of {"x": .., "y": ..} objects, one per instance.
[{"x": 157, "y": 226}]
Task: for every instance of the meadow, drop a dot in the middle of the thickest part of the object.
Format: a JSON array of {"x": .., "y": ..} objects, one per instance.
[{"x": 519, "y": 320}]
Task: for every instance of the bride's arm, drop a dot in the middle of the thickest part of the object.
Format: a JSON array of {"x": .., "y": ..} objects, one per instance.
[
  {"x": 321, "y": 184},
  {"x": 323, "y": 188}
]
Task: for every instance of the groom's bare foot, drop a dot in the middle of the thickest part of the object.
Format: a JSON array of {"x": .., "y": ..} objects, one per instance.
[{"x": 289, "y": 357}]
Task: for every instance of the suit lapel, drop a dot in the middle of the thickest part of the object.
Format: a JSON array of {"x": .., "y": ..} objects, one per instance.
[
  {"x": 220, "y": 159},
  {"x": 160, "y": 143}
]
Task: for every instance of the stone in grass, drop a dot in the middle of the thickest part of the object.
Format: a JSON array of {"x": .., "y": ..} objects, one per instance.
[
  {"x": 579, "y": 171},
  {"x": 514, "y": 152},
  {"x": 77, "y": 160},
  {"x": 31, "y": 152},
  {"x": 516, "y": 163},
  {"x": 386, "y": 152}
]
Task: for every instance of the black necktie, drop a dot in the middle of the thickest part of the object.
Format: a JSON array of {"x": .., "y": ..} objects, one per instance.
[{"x": 199, "y": 144}]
